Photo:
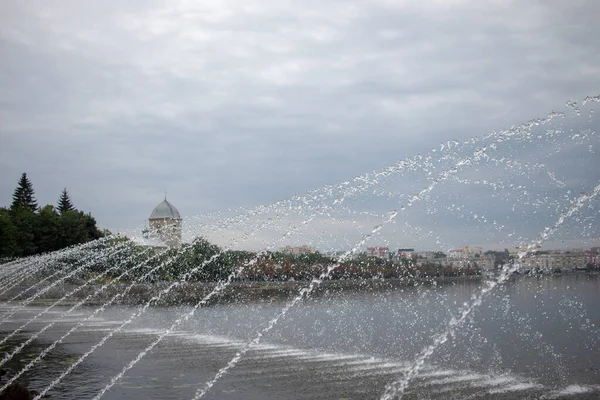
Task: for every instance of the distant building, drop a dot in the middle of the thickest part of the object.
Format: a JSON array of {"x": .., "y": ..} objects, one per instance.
[
  {"x": 379, "y": 252},
  {"x": 487, "y": 262},
  {"x": 465, "y": 252},
  {"x": 298, "y": 250},
  {"x": 164, "y": 225},
  {"x": 425, "y": 255},
  {"x": 406, "y": 254},
  {"x": 553, "y": 260},
  {"x": 592, "y": 257}
]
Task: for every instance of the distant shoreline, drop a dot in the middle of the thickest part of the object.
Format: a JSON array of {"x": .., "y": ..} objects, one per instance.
[
  {"x": 241, "y": 291},
  {"x": 192, "y": 292}
]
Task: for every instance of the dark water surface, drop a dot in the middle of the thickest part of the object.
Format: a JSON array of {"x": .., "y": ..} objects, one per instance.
[{"x": 534, "y": 337}]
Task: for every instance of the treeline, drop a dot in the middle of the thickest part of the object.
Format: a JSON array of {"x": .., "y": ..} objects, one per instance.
[
  {"x": 199, "y": 261},
  {"x": 26, "y": 229},
  {"x": 202, "y": 261}
]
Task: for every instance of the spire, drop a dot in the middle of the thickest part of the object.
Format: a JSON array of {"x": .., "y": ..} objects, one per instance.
[{"x": 165, "y": 195}]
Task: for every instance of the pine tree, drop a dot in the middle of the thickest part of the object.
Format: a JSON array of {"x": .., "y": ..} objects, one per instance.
[
  {"x": 23, "y": 197},
  {"x": 64, "y": 202}
]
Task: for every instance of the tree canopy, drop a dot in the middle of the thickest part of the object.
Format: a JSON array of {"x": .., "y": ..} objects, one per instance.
[{"x": 26, "y": 229}]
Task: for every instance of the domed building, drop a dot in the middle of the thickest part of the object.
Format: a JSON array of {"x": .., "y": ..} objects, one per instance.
[{"x": 165, "y": 224}]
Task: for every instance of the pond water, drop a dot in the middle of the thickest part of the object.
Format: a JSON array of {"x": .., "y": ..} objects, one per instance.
[{"x": 535, "y": 337}]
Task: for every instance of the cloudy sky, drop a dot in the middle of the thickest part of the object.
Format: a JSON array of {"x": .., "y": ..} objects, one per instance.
[{"x": 236, "y": 104}]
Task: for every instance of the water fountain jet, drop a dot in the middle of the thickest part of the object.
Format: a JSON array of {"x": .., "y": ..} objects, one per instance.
[{"x": 332, "y": 200}]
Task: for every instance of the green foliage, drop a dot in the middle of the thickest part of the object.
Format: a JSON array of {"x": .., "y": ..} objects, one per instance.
[
  {"x": 64, "y": 202},
  {"x": 202, "y": 255},
  {"x": 8, "y": 235},
  {"x": 202, "y": 261},
  {"x": 25, "y": 230},
  {"x": 23, "y": 196},
  {"x": 47, "y": 229},
  {"x": 72, "y": 229},
  {"x": 24, "y": 221},
  {"x": 207, "y": 261}
]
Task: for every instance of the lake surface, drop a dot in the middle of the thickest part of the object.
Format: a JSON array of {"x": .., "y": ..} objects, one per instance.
[{"x": 534, "y": 337}]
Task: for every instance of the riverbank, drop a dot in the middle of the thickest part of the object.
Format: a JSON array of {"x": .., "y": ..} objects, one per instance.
[
  {"x": 246, "y": 291},
  {"x": 188, "y": 293}
]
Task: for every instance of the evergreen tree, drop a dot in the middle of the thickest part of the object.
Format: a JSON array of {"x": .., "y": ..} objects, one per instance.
[
  {"x": 23, "y": 197},
  {"x": 27, "y": 230},
  {"x": 64, "y": 202}
]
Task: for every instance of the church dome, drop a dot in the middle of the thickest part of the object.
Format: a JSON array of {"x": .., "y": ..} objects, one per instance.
[{"x": 165, "y": 210}]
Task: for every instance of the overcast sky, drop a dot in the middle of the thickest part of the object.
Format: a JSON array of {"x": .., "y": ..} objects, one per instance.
[{"x": 236, "y": 104}]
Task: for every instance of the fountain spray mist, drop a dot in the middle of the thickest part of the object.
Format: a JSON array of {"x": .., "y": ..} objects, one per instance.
[
  {"x": 94, "y": 259},
  {"x": 397, "y": 388},
  {"x": 135, "y": 315},
  {"x": 480, "y": 153},
  {"x": 89, "y": 317},
  {"x": 65, "y": 313},
  {"x": 36, "y": 264}
]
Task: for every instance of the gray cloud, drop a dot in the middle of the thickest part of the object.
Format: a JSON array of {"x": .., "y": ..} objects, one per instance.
[{"x": 236, "y": 104}]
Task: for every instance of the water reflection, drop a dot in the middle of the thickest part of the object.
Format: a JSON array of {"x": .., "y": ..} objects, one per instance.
[{"x": 533, "y": 336}]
